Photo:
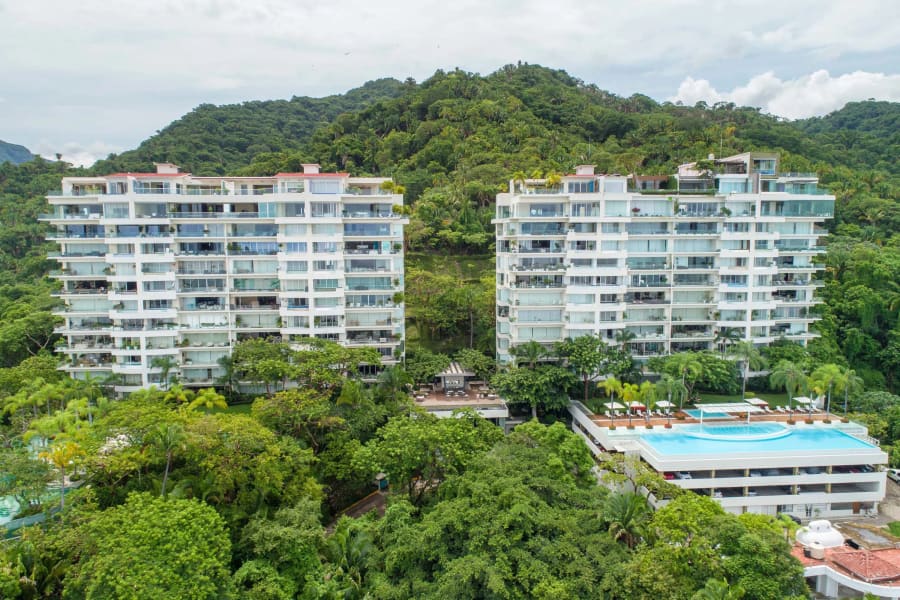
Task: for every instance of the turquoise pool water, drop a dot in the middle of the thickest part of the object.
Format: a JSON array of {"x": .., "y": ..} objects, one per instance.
[
  {"x": 708, "y": 414},
  {"x": 736, "y": 431},
  {"x": 752, "y": 438}
]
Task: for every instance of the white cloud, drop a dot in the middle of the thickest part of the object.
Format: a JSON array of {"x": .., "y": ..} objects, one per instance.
[
  {"x": 75, "y": 153},
  {"x": 810, "y": 95}
]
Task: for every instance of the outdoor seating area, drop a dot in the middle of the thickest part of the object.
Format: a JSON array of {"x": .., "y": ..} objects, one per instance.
[
  {"x": 662, "y": 412},
  {"x": 455, "y": 389}
]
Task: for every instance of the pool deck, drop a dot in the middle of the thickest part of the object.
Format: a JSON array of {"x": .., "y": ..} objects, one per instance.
[{"x": 682, "y": 418}]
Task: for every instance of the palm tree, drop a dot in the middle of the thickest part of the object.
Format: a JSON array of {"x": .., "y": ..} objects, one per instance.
[
  {"x": 823, "y": 380},
  {"x": 208, "y": 399},
  {"x": 178, "y": 395},
  {"x": 623, "y": 337},
  {"x": 686, "y": 364},
  {"x": 348, "y": 550},
  {"x": 719, "y": 589},
  {"x": 393, "y": 381},
  {"x": 649, "y": 394},
  {"x": 529, "y": 352},
  {"x": 726, "y": 336},
  {"x": 848, "y": 382},
  {"x": 671, "y": 387},
  {"x": 165, "y": 364},
  {"x": 519, "y": 178},
  {"x": 229, "y": 378},
  {"x": 168, "y": 438},
  {"x": 627, "y": 514},
  {"x": 611, "y": 386},
  {"x": 790, "y": 377},
  {"x": 62, "y": 456},
  {"x": 750, "y": 358},
  {"x": 631, "y": 392}
]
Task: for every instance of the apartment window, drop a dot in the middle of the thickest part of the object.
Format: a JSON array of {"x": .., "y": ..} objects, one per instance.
[
  {"x": 325, "y": 285},
  {"x": 294, "y": 230},
  {"x": 116, "y": 210},
  {"x": 295, "y": 248},
  {"x": 297, "y": 266},
  {"x": 151, "y": 187},
  {"x": 327, "y": 302},
  {"x": 326, "y": 186},
  {"x": 325, "y": 265},
  {"x": 268, "y": 210},
  {"x": 327, "y": 321},
  {"x": 324, "y": 209},
  {"x": 326, "y": 247},
  {"x": 582, "y": 187}
]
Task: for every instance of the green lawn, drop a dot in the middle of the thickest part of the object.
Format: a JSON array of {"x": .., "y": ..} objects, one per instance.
[
  {"x": 894, "y": 528},
  {"x": 779, "y": 399},
  {"x": 237, "y": 409}
]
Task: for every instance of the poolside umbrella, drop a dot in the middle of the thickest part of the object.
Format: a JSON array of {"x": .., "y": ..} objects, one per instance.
[
  {"x": 756, "y": 401},
  {"x": 804, "y": 400},
  {"x": 664, "y": 404},
  {"x": 635, "y": 405},
  {"x": 612, "y": 407}
]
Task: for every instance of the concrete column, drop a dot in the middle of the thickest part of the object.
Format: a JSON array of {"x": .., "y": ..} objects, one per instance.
[{"x": 826, "y": 586}]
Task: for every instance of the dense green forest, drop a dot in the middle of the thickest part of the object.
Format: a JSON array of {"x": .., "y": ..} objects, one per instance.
[
  {"x": 252, "y": 498},
  {"x": 171, "y": 496}
]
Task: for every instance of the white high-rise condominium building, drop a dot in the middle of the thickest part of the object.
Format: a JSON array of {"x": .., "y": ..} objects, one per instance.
[
  {"x": 167, "y": 264},
  {"x": 730, "y": 247}
]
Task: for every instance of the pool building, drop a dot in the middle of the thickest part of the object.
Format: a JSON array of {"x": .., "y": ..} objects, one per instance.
[{"x": 765, "y": 465}]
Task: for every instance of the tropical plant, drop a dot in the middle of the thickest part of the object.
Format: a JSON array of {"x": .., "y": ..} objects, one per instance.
[
  {"x": 168, "y": 438},
  {"x": 165, "y": 364},
  {"x": 790, "y": 377},
  {"x": 63, "y": 456},
  {"x": 750, "y": 358},
  {"x": 627, "y": 514}
]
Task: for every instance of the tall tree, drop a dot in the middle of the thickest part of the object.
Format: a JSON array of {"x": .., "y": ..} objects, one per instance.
[{"x": 750, "y": 358}]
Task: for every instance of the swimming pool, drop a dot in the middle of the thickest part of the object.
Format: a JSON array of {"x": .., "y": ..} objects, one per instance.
[
  {"x": 708, "y": 414},
  {"x": 752, "y": 438},
  {"x": 736, "y": 431}
]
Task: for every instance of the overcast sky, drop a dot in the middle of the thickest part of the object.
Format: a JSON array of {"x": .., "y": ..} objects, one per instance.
[{"x": 89, "y": 77}]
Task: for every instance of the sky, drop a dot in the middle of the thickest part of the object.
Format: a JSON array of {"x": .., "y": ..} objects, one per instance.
[{"x": 91, "y": 77}]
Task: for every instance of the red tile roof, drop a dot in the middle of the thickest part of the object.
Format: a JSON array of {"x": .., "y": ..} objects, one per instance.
[{"x": 871, "y": 566}]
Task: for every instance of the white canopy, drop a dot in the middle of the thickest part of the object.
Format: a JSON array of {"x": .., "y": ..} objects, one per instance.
[
  {"x": 802, "y": 400},
  {"x": 756, "y": 401},
  {"x": 664, "y": 404},
  {"x": 613, "y": 406},
  {"x": 636, "y": 404}
]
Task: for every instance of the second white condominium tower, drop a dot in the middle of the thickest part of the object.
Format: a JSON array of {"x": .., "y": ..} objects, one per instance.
[{"x": 729, "y": 246}]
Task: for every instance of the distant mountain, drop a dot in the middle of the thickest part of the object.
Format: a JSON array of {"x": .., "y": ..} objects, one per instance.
[
  {"x": 218, "y": 140},
  {"x": 14, "y": 153}
]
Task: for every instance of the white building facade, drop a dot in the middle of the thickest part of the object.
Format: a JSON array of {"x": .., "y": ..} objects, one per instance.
[
  {"x": 167, "y": 264},
  {"x": 731, "y": 247}
]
